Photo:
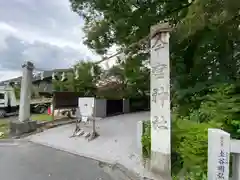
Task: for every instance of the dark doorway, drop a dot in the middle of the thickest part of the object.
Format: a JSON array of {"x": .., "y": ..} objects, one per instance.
[
  {"x": 139, "y": 104},
  {"x": 114, "y": 107}
]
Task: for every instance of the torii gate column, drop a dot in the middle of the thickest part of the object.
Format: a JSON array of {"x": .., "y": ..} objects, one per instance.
[
  {"x": 23, "y": 124},
  {"x": 160, "y": 101},
  {"x": 25, "y": 95}
]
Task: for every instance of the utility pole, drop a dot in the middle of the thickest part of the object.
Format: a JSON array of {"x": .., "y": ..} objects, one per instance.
[
  {"x": 160, "y": 102},
  {"x": 25, "y": 95}
]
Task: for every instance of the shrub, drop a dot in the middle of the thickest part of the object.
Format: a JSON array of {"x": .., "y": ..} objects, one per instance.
[
  {"x": 219, "y": 108},
  {"x": 189, "y": 142},
  {"x": 146, "y": 139},
  {"x": 195, "y": 174},
  {"x": 4, "y": 126},
  {"x": 222, "y": 106}
]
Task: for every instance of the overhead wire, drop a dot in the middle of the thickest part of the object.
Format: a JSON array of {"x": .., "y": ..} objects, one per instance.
[
  {"x": 104, "y": 58},
  {"x": 130, "y": 46},
  {"x": 123, "y": 50}
]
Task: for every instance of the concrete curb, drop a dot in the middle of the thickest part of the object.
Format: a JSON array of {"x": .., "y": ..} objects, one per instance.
[
  {"x": 102, "y": 162},
  {"x": 128, "y": 172},
  {"x": 11, "y": 142},
  {"x": 41, "y": 127},
  {"x": 55, "y": 123}
]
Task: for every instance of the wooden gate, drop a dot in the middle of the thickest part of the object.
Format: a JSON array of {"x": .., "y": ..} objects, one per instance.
[{"x": 65, "y": 100}]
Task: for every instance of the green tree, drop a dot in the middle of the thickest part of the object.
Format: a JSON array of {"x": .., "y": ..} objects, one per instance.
[
  {"x": 203, "y": 42},
  {"x": 89, "y": 75},
  {"x": 204, "y": 48},
  {"x": 85, "y": 83},
  {"x": 133, "y": 76},
  {"x": 66, "y": 85}
]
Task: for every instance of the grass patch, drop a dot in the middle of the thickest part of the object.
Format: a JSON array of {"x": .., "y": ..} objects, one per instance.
[
  {"x": 41, "y": 117},
  {"x": 4, "y": 123},
  {"x": 4, "y": 126}
]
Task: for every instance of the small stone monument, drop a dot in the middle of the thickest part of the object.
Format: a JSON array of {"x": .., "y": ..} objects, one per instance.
[{"x": 218, "y": 154}]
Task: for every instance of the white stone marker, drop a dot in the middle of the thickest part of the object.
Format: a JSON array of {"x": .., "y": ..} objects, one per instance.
[
  {"x": 218, "y": 154},
  {"x": 25, "y": 95},
  {"x": 160, "y": 101}
]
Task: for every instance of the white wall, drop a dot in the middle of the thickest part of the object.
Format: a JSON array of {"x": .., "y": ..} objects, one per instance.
[{"x": 101, "y": 108}]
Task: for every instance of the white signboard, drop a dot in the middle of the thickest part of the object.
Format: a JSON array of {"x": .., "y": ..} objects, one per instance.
[
  {"x": 160, "y": 94},
  {"x": 218, "y": 154},
  {"x": 86, "y": 107}
]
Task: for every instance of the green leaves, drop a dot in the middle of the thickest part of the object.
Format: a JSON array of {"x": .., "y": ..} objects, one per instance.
[
  {"x": 218, "y": 108},
  {"x": 85, "y": 83},
  {"x": 203, "y": 42},
  {"x": 146, "y": 139},
  {"x": 204, "y": 57}
]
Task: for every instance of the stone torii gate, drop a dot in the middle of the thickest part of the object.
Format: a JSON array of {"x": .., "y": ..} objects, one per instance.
[{"x": 24, "y": 124}]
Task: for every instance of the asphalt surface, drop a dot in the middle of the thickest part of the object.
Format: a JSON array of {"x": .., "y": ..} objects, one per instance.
[{"x": 29, "y": 161}]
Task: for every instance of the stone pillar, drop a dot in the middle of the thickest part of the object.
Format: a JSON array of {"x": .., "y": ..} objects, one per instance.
[
  {"x": 23, "y": 124},
  {"x": 160, "y": 102},
  {"x": 25, "y": 95}
]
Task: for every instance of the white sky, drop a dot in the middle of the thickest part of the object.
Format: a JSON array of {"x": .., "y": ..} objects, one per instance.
[{"x": 46, "y": 32}]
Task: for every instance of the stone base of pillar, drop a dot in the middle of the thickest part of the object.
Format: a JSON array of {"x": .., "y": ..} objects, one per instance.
[
  {"x": 161, "y": 165},
  {"x": 18, "y": 128}
]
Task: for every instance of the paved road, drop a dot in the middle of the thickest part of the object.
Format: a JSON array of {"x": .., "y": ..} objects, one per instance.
[{"x": 27, "y": 161}]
